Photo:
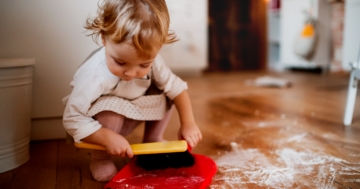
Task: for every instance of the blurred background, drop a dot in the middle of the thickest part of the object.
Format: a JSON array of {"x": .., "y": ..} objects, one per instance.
[{"x": 319, "y": 36}]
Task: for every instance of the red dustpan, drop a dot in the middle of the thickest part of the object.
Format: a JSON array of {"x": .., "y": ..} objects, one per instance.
[{"x": 198, "y": 176}]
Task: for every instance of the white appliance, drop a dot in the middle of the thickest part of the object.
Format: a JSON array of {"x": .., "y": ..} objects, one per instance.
[
  {"x": 351, "y": 44},
  {"x": 291, "y": 24}
]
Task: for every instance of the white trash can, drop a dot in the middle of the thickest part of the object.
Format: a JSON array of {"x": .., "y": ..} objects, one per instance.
[{"x": 15, "y": 111}]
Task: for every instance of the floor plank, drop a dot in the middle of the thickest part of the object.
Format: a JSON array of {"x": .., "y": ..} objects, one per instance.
[
  {"x": 73, "y": 168},
  {"x": 259, "y": 137},
  {"x": 282, "y": 138},
  {"x": 39, "y": 172}
]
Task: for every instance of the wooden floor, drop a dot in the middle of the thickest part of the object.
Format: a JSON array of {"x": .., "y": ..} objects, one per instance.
[{"x": 259, "y": 137}]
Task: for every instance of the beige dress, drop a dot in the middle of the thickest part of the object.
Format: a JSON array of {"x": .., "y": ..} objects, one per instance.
[{"x": 151, "y": 106}]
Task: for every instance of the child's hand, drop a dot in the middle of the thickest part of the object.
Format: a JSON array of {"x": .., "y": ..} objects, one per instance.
[
  {"x": 117, "y": 145},
  {"x": 191, "y": 133},
  {"x": 114, "y": 143},
  {"x": 188, "y": 130}
]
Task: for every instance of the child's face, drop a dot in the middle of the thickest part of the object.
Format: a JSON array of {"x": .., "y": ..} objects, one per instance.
[{"x": 123, "y": 61}]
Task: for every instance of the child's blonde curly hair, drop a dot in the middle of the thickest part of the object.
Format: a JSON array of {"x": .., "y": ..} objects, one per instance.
[{"x": 144, "y": 24}]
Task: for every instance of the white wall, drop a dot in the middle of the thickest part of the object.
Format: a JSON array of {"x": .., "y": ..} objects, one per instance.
[
  {"x": 51, "y": 31},
  {"x": 189, "y": 21}
]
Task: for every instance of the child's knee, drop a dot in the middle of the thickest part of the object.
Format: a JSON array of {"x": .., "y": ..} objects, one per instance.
[
  {"x": 110, "y": 120},
  {"x": 128, "y": 126}
]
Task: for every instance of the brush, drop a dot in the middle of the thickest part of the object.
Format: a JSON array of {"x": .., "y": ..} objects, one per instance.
[
  {"x": 162, "y": 161},
  {"x": 156, "y": 155}
]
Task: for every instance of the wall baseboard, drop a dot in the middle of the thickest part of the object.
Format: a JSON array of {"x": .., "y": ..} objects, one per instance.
[{"x": 47, "y": 129}]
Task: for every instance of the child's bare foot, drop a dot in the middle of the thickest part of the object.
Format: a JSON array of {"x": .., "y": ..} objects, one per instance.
[
  {"x": 103, "y": 170},
  {"x": 101, "y": 166}
]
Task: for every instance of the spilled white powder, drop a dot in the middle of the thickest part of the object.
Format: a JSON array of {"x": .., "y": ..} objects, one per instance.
[
  {"x": 348, "y": 173},
  {"x": 288, "y": 157},
  {"x": 352, "y": 168},
  {"x": 297, "y": 138},
  {"x": 352, "y": 180},
  {"x": 148, "y": 187},
  {"x": 193, "y": 180},
  {"x": 250, "y": 168}
]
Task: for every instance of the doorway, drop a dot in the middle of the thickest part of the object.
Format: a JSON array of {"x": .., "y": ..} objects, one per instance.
[{"x": 237, "y": 35}]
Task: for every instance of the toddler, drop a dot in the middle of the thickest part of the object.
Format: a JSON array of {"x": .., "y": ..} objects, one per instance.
[{"x": 126, "y": 82}]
